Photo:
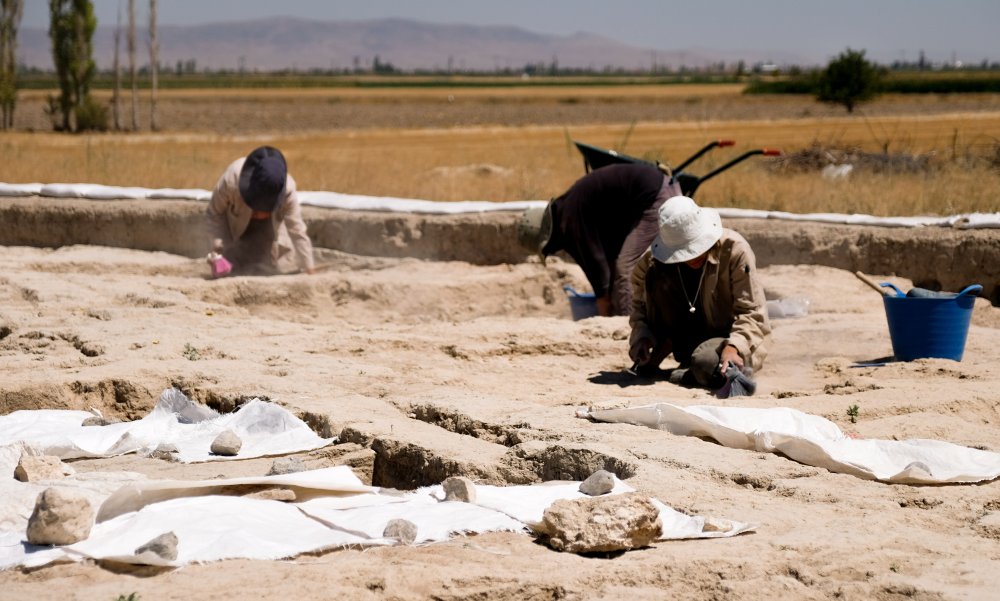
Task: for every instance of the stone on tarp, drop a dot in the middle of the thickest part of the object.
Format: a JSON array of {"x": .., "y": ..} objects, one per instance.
[
  {"x": 32, "y": 468},
  {"x": 98, "y": 420},
  {"x": 286, "y": 465},
  {"x": 61, "y": 517},
  {"x": 165, "y": 451},
  {"x": 277, "y": 493},
  {"x": 402, "y": 530},
  {"x": 602, "y": 524},
  {"x": 717, "y": 525},
  {"x": 164, "y": 545},
  {"x": 459, "y": 488},
  {"x": 227, "y": 443},
  {"x": 599, "y": 483}
]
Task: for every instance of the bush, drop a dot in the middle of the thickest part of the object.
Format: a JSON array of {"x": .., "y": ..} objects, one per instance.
[
  {"x": 849, "y": 80},
  {"x": 91, "y": 115}
]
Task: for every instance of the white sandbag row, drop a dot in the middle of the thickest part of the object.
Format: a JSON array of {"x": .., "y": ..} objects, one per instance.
[{"x": 355, "y": 202}]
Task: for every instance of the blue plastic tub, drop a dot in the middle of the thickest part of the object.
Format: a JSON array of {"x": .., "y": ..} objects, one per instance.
[
  {"x": 929, "y": 327},
  {"x": 581, "y": 304}
]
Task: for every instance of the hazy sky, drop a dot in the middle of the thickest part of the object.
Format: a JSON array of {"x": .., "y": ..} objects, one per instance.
[{"x": 817, "y": 30}]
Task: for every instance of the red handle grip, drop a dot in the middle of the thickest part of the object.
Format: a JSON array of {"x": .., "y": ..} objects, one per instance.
[
  {"x": 724, "y": 143},
  {"x": 771, "y": 152}
]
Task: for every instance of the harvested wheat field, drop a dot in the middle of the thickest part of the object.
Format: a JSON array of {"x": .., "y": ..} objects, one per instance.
[{"x": 429, "y": 349}]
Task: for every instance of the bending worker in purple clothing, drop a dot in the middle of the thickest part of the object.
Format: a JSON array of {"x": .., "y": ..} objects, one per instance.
[{"x": 605, "y": 221}]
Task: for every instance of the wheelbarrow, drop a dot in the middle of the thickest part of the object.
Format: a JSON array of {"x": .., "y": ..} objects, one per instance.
[{"x": 595, "y": 157}]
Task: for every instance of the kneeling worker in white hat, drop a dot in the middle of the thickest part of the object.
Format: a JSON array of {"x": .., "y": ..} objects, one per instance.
[{"x": 696, "y": 294}]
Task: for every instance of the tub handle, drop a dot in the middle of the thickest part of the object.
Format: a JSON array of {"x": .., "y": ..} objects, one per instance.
[
  {"x": 973, "y": 289},
  {"x": 893, "y": 286}
]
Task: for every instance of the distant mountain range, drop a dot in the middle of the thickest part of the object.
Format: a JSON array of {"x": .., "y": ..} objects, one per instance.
[{"x": 287, "y": 43}]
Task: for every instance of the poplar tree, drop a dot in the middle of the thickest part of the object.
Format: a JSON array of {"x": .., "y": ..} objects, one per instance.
[
  {"x": 131, "y": 64},
  {"x": 11, "y": 12},
  {"x": 154, "y": 63},
  {"x": 71, "y": 28}
]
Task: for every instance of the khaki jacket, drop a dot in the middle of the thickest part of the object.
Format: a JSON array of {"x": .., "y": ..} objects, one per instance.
[
  {"x": 732, "y": 295},
  {"x": 228, "y": 217}
]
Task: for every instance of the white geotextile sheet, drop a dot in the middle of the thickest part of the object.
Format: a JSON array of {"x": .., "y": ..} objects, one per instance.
[
  {"x": 336, "y": 200},
  {"x": 339, "y": 511},
  {"x": 264, "y": 428},
  {"x": 815, "y": 441}
]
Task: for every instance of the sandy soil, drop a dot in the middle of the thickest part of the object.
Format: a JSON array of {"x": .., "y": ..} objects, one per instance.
[{"x": 461, "y": 368}]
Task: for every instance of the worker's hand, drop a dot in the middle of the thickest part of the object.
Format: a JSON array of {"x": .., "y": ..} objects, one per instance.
[
  {"x": 217, "y": 245},
  {"x": 604, "y": 305},
  {"x": 641, "y": 351},
  {"x": 729, "y": 355}
]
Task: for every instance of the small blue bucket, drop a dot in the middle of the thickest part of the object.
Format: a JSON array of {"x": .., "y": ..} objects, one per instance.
[
  {"x": 581, "y": 304},
  {"x": 929, "y": 327}
]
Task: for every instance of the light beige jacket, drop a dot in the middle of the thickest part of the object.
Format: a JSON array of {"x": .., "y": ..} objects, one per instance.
[
  {"x": 732, "y": 295},
  {"x": 229, "y": 216}
]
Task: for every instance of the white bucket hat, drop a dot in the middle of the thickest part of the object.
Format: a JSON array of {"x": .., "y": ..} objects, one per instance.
[{"x": 686, "y": 230}]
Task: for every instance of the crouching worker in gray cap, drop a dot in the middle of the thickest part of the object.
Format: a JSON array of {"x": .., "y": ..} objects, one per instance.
[
  {"x": 255, "y": 221},
  {"x": 605, "y": 221},
  {"x": 696, "y": 294}
]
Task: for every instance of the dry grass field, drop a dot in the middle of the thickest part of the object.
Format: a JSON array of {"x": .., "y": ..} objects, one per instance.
[{"x": 514, "y": 143}]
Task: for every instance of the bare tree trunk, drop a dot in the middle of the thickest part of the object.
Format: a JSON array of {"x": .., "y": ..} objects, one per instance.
[
  {"x": 116, "y": 94},
  {"x": 131, "y": 65},
  {"x": 154, "y": 64},
  {"x": 10, "y": 19}
]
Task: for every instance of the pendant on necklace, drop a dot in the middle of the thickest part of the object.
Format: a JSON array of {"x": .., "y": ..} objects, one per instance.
[{"x": 691, "y": 310}]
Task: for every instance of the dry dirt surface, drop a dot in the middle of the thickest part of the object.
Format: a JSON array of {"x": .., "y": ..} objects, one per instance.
[{"x": 429, "y": 369}]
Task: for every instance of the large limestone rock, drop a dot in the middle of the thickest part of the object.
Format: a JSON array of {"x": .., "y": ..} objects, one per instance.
[
  {"x": 32, "y": 468},
  {"x": 61, "y": 517},
  {"x": 602, "y": 524}
]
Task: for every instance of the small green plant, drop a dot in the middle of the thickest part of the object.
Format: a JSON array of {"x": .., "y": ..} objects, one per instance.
[
  {"x": 190, "y": 352},
  {"x": 129, "y": 597},
  {"x": 852, "y": 413}
]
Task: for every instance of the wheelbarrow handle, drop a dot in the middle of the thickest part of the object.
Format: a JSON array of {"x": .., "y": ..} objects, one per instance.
[
  {"x": 706, "y": 148},
  {"x": 740, "y": 159}
]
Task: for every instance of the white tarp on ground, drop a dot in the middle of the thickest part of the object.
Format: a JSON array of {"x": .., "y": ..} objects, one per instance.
[
  {"x": 338, "y": 510},
  {"x": 354, "y": 202},
  {"x": 815, "y": 441},
  {"x": 264, "y": 428}
]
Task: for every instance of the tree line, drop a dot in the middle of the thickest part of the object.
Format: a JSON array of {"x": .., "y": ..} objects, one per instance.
[{"x": 71, "y": 30}]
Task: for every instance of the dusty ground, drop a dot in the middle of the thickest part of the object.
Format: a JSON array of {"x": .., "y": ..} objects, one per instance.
[{"x": 466, "y": 369}]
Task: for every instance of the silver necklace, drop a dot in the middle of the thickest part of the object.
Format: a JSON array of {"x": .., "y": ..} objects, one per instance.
[{"x": 691, "y": 301}]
